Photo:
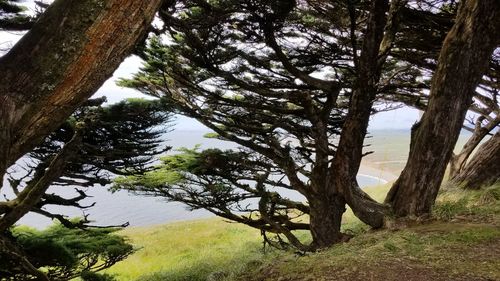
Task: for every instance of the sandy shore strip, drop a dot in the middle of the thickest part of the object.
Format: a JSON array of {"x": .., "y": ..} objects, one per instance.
[{"x": 384, "y": 176}]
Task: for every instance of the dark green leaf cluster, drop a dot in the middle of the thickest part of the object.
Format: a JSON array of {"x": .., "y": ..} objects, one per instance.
[
  {"x": 12, "y": 16},
  {"x": 92, "y": 276},
  {"x": 119, "y": 139},
  {"x": 223, "y": 182},
  {"x": 65, "y": 253}
]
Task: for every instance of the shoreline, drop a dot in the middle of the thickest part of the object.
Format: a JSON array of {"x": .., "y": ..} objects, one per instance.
[{"x": 368, "y": 170}]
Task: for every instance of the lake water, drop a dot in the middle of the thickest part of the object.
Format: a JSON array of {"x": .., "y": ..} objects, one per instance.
[{"x": 121, "y": 207}]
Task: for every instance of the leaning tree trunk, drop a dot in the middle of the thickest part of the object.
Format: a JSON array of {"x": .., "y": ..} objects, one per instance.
[
  {"x": 484, "y": 167},
  {"x": 458, "y": 161},
  {"x": 67, "y": 55},
  {"x": 463, "y": 59},
  {"x": 375, "y": 49}
]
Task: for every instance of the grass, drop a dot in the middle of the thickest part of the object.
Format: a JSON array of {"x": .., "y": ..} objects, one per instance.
[
  {"x": 189, "y": 250},
  {"x": 203, "y": 249},
  {"x": 458, "y": 244},
  {"x": 381, "y": 253},
  {"x": 463, "y": 244},
  {"x": 479, "y": 205}
]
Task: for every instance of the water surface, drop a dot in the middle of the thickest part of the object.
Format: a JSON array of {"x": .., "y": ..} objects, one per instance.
[{"x": 120, "y": 207}]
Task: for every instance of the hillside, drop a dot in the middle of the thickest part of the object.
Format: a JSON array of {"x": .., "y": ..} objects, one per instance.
[{"x": 463, "y": 243}]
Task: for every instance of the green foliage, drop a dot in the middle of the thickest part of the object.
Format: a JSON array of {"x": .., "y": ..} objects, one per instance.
[
  {"x": 12, "y": 16},
  {"x": 65, "y": 253},
  {"x": 10, "y": 6},
  {"x": 211, "y": 135},
  {"x": 175, "y": 169},
  {"x": 122, "y": 139}
]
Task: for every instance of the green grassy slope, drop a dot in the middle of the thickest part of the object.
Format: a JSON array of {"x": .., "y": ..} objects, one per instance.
[
  {"x": 463, "y": 244},
  {"x": 189, "y": 250},
  {"x": 194, "y": 250}
]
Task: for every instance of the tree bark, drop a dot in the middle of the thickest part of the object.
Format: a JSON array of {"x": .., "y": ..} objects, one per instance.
[
  {"x": 345, "y": 167},
  {"x": 67, "y": 55},
  {"x": 37, "y": 187},
  {"x": 484, "y": 167},
  {"x": 463, "y": 59},
  {"x": 458, "y": 161},
  {"x": 325, "y": 219}
]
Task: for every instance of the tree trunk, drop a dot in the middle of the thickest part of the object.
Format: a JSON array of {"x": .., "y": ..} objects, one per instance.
[
  {"x": 37, "y": 187},
  {"x": 349, "y": 153},
  {"x": 484, "y": 167},
  {"x": 325, "y": 219},
  {"x": 464, "y": 56},
  {"x": 457, "y": 162},
  {"x": 67, "y": 55}
]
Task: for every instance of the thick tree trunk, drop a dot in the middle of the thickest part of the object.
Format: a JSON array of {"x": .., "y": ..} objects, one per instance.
[
  {"x": 325, "y": 219},
  {"x": 463, "y": 59},
  {"x": 484, "y": 167},
  {"x": 67, "y": 55}
]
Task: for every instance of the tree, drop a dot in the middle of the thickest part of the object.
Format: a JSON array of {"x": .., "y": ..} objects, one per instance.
[
  {"x": 249, "y": 71},
  {"x": 483, "y": 125},
  {"x": 467, "y": 47},
  {"x": 93, "y": 146},
  {"x": 121, "y": 139},
  {"x": 64, "y": 253},
  {"x": 417, "y": 46},
  {"x": 484, "y": 168},
  {"x": 246, "y": 70},
  {"x": 65, "y": 57},
  {"x": 421, "y": 50},
  {"x": 73, "y": 48}
]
